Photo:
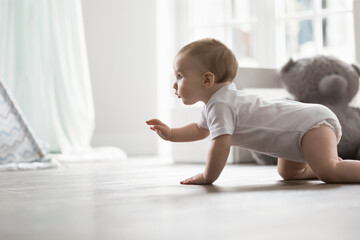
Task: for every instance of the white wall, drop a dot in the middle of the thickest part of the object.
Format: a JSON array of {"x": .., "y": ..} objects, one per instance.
[{"x": 121, "y": 44}]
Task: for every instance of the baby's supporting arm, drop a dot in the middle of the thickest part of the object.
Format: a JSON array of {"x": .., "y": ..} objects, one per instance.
[
  {"x": 217, "y": 156},
  {"x": 191, "y": 132}
]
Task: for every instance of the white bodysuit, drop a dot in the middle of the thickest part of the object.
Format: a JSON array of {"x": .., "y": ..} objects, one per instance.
[{"x": 271, "y": 127}]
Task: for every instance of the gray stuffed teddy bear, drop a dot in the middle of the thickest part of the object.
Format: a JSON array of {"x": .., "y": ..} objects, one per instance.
[{"x": 331, "y": 82}]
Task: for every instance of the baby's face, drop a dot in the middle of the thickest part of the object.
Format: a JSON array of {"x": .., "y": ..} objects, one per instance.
[{"x": 188, "y": 85}]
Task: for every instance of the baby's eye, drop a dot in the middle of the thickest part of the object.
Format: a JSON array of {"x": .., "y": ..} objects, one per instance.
[{"x": 179, "y": 77}]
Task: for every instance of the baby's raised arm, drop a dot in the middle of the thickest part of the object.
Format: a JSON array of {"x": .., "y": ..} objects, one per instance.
[{"x": 191, "y": 132}]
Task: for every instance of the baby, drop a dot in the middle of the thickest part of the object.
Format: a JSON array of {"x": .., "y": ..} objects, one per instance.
[{"x": 302, "y": 136}]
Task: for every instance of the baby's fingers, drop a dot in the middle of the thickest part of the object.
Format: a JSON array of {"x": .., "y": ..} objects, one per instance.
[
  {"x": 197, "y": 179},
  {"x": 154, "y": 122},
  {"x": 190, "y": 180},
  {"x": 158, "y": 128},
  {"x": 186, "y": 181}
]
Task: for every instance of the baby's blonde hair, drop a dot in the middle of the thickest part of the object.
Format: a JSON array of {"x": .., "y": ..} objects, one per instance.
[{"x": 214, "y": 56}]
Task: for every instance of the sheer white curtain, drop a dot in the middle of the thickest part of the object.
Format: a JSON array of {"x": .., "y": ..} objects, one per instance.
[{"x": 43, "y": 62}]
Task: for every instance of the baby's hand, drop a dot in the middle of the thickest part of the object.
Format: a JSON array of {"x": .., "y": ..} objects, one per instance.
[
  {"x": 198, "y": 179},
  {"x": 160, "y": 128}
]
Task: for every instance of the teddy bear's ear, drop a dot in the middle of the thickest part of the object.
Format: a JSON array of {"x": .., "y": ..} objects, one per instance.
[
  {"x": 288, "y": 65},
  {"x": 357, "y": 68}
]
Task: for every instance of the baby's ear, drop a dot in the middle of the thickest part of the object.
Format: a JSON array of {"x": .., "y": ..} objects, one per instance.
[
  {"x": 357, "y": 68},
  {"x": 208, "y": 79}
]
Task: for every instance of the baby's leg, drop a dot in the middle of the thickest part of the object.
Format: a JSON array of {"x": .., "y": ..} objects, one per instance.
[
  {"x": 320, "y": 150},
  {"x": 290, "y": 170}
]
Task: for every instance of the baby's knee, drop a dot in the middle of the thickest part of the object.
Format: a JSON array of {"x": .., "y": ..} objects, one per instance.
[
  {"x": 285, "y": 174},
  {"x": 291, "y": 174}
]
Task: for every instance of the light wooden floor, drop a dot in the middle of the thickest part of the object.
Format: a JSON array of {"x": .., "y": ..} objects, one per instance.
[{"x": 142, "y": 199}]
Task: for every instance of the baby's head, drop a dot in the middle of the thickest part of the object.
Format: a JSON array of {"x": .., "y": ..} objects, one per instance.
[
  {"x": 212, "y": 56},
  {"x": 201, "y": 68}
]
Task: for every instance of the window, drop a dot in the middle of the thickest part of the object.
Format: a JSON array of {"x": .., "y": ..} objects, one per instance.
[{"x": 268, "y": 32}]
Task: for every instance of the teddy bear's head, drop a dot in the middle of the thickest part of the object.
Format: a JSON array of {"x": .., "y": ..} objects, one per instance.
[{"x": 321, "y": 79}]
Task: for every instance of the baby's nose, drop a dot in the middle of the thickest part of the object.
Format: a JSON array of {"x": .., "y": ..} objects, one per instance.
[{"x": 175, "y": 86}]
